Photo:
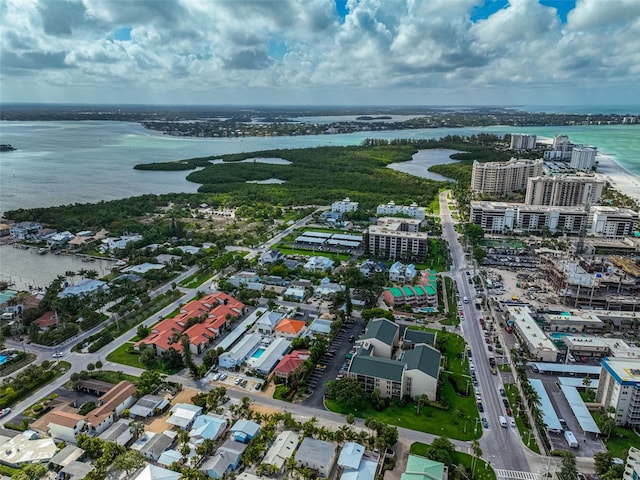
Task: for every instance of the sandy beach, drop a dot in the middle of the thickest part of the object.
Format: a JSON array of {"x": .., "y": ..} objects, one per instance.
[{"x": 620, "y": 178}]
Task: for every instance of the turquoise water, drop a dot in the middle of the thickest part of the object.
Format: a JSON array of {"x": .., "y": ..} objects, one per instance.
[
  {"x": 258, "y": 353},
  {"x": 92, "y": 161},
  {"x": 3, "y": 359},
  {"x": 6, "y": 295},
  {"x": 560, "y": 335},
  {"x": 428, "y": 309}
]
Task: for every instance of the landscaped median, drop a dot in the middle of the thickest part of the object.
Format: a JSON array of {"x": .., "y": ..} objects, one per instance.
[
  {"x": 453, "y": 414},
  {"x": 526, "y": 434}
]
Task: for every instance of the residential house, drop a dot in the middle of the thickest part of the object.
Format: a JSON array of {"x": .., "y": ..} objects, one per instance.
[
  {"x": 401, "y": 273},
  {"x": 289, "y": 328},
  {"x": 24, "y": 230},
  {"x": 297, "y": 294},
  {"x": 317, "y": 455},
  {"x": 111, "y": 405},
  {"x": 119, "y": 433},
  {"x": 148, "y": 406},
  {"x": 354, "y": 465},
  {"x": 60, "y": 239},
  {"x": 282, "y": 449},
  {"x": 172, "y": 455},
  {"x": 244, "y": 430},
  {"x": 249, "y": 280},
  {"x": 320, "y": 326},
  {"x": 183, "y": 415},
  {"x": 151, "y": 445},
  {"x": 153, "y": 472},
  {"x": 383, "y": 335},
  {"x": 271, "y": 256},
  {"x": 85, "y": 288},
  {"x": 207, "y": 427},
  {"x": 290, "y": 363},
  {"x": 421, "y": 468},
  {"x": 118, "y": 243},
  {"x": 47, "y": 321},
  {"x": 63, "y": 425},
  {"x": 315, "y": 264},
  {"x": 267, "y": 322},
  {"x": 25, "y": 448},
  {"x": 327, "y": 288},
  {"x": 226, "y": 459},
  {"x": 369, "y": 268},
  {"x": 414, "y": 337}
]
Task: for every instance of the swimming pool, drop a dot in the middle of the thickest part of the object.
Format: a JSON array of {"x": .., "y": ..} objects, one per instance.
[
  {"x": 3, "y": 359},
  {"x": 258, "y": 353},
  {"x": 560, "y": 335},
  {"x": 6, "y": 295},
  {"x": 428, "y": 309}
]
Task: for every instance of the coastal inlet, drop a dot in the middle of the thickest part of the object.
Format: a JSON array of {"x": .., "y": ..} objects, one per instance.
[{"x": 28, "y": 269}]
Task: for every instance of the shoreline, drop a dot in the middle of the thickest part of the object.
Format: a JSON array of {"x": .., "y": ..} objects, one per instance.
[{"x": 620, "y": 178}]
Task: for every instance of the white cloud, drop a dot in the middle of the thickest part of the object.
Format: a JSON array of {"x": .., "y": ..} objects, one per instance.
[{"x": 422, "y": 51}]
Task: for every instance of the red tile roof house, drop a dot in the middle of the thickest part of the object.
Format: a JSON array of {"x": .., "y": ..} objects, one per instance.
[
  {"x": 47, "y": 320},
  {"x": 111, "y": 405},
  {"x": 213, "y": 314},
  {"x": 290, "y": 363}
]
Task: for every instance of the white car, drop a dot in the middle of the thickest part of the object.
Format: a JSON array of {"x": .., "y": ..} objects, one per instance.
[
  {"x": 58, "y": 355},
  {"x": 5, "y": 411}
]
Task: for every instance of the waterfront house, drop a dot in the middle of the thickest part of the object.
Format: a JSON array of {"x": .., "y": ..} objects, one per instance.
[
  {"x": 85, "y": 288},
  {"x": 24, "y": 230}
]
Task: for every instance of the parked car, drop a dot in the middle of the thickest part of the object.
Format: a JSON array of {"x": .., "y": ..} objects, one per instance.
[
  {"x": 223, "y": 376},
  {"x": 480, "y": 407},
  {"x": 485, "y": 423},
  {"x": 505, "y": 402},
  {"x": 58, "y": 355},
  {"x": 502, "y": 392}
]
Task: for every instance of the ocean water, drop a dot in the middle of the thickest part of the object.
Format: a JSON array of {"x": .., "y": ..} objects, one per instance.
[{"x": 79, "y": 162}]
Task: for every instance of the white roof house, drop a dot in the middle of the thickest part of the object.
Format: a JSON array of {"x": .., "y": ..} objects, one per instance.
[
  {"x": 270, "y": 356},
  {"x": 267, "y": 322},
  {"x": 26, "y": 448},
  {"x": 318, "y": 263},
  {"x": 282, "y": 449},
  {"x": 152, "y": 472},
  {"x": 184, "y": 414},
  {"x": 350, "y": 455}
]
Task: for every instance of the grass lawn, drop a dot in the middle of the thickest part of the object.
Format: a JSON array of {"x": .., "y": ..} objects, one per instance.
[
  {"x": 123, "y": 356},
  {"x": 113, "y": 377},
  {"x": 453, "y": 345},
  {"x": 619, "y": 447},
  {"x": 280, "y": 392},
  {"x": 452, "y": 303},
  {"x": 8, "y": 368},
  {"x": 504, "y": 367},
  {"x": 483, "y": 470},
  {"x": 526, "y": 434},
  {"x": 338, "y": 257},
  {"x": 197, "y": 279}
]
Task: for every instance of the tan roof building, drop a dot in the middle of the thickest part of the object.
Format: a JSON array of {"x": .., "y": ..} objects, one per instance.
[{"x": 112, "y": 403}]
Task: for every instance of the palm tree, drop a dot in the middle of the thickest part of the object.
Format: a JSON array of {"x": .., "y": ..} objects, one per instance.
[
  {"x": 421, "y": 400},
  {"x": 136, "y": 428},
  {"x": 477, "y": 452}
]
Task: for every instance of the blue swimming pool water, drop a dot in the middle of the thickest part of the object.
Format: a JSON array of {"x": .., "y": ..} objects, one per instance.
[
  {"x": 258, "y": 353},
  {"x": 560, "y": 335},
  {"x": 3, "y": 359},
  {"x": 6, "y": 295},
  {"x": 428, "y": 309}
]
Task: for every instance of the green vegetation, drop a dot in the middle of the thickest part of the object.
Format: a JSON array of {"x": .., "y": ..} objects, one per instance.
[
  {"x": 125, "y": 355},
  {"x": 460, "y": 464},
  {"x": 312, "y": 177},
  {"x": 110, "y": 376},
  {"x": 20, "y": 361},
  {"x": 29, "y": 380},
  {"x": 40, "y": 407},
  {"x": 338, "y": 257},
  {"x": 197, "y": 279},
  {"x": 438, "y": 257},
  {"x": 526, "y": 434},
  {"x": 282, "y": 392},
  {"x": 452, "y": 303}
]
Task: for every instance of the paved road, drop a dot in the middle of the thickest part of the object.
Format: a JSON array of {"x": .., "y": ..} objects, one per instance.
[{"x": 501, "y": 446}]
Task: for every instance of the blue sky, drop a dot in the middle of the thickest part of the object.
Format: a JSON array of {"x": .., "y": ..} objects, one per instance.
[{"x": 427, "y": 52}]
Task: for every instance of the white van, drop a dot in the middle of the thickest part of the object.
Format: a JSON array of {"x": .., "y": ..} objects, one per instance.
[{"x": 503, "y": 422}]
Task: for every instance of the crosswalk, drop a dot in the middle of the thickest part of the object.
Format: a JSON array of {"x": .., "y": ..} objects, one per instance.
[{"x": 515, "y": 474}]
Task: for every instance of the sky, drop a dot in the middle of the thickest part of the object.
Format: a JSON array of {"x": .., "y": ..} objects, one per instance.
[{"x": 321, "y": 52}]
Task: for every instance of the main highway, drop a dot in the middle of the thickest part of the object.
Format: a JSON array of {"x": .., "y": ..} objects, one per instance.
[{"x": 500, "y": 446}]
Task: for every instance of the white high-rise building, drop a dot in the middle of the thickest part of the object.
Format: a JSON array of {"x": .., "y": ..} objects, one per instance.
[
  {"x": 523, "y": 141},
  {"x": 504, "y": 177},
  {"x": 632, "y": 467},
  {"x": 564, "y": 190},
  {"x": 613, "y": 222},
  {"x": 413, "y": 210},
  {"x": 583, "y": 158}
]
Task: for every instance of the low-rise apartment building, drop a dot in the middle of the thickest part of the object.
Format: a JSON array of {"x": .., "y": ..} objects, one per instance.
[{"x": 531, "y": 336}]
